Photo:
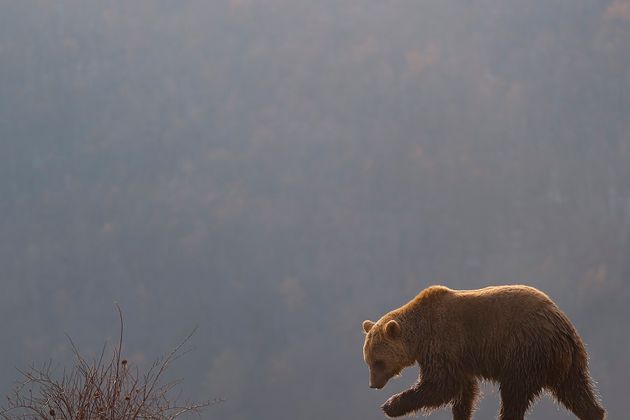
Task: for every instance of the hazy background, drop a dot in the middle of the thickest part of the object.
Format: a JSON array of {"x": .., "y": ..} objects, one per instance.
[{"x": 276, "y": 171}]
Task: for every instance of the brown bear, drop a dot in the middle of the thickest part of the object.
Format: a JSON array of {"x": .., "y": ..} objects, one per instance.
[{"x": 513, "y": 335}]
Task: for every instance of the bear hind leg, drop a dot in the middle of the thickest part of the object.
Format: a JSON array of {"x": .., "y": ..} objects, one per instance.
[
  {"x": 576, "y": 393},
  {"x": 464, "y": 404},
  {"x": 516, "y": 399}
]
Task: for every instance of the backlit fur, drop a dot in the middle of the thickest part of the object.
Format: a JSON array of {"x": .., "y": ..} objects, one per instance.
[{"x": 513, "y": 335}]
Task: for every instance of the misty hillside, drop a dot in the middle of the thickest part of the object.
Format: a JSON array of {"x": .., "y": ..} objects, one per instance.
[{"x": 275, "y": 172}]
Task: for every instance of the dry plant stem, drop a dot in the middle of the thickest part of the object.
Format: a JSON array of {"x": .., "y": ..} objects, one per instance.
[{"x": 105, "y": 388}]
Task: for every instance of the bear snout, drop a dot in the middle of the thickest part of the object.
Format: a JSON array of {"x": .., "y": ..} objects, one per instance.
[{"x": 377, "y": 383}]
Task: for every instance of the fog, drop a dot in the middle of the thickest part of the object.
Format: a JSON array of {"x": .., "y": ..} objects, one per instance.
[{"x": 275, "y": 172}]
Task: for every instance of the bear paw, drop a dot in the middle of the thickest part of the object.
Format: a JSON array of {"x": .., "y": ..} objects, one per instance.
[{"x": 393, "y": 407}]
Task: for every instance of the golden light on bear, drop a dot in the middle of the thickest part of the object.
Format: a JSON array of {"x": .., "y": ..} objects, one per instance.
[{"x": 515, "y": 336}]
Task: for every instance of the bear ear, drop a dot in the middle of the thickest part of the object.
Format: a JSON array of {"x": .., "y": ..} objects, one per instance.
[
  {"x": 392, "y": 329},
  {"x": 367, "y": 325}
]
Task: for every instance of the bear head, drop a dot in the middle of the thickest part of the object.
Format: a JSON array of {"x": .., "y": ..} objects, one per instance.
[{"x": 385, "y": 350}]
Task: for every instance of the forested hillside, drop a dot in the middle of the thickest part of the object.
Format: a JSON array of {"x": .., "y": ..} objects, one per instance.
[{"x": 277, "y": 171}]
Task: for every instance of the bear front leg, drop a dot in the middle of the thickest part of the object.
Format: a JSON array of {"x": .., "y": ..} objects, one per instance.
[
  {"x": 401, "y": 404},
  {"x": 427, "y": 395},
  {"x": 463, "y": 405}
]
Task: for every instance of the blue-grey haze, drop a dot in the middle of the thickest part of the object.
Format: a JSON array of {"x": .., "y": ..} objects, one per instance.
[{"x": 276, "y": 171}]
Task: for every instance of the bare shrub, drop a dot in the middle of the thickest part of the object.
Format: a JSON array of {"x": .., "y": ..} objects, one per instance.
[{"x": 104, "y": 388}]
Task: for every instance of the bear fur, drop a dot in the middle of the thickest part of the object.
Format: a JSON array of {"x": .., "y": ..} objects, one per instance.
[{"x": 513, "y": 335}]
